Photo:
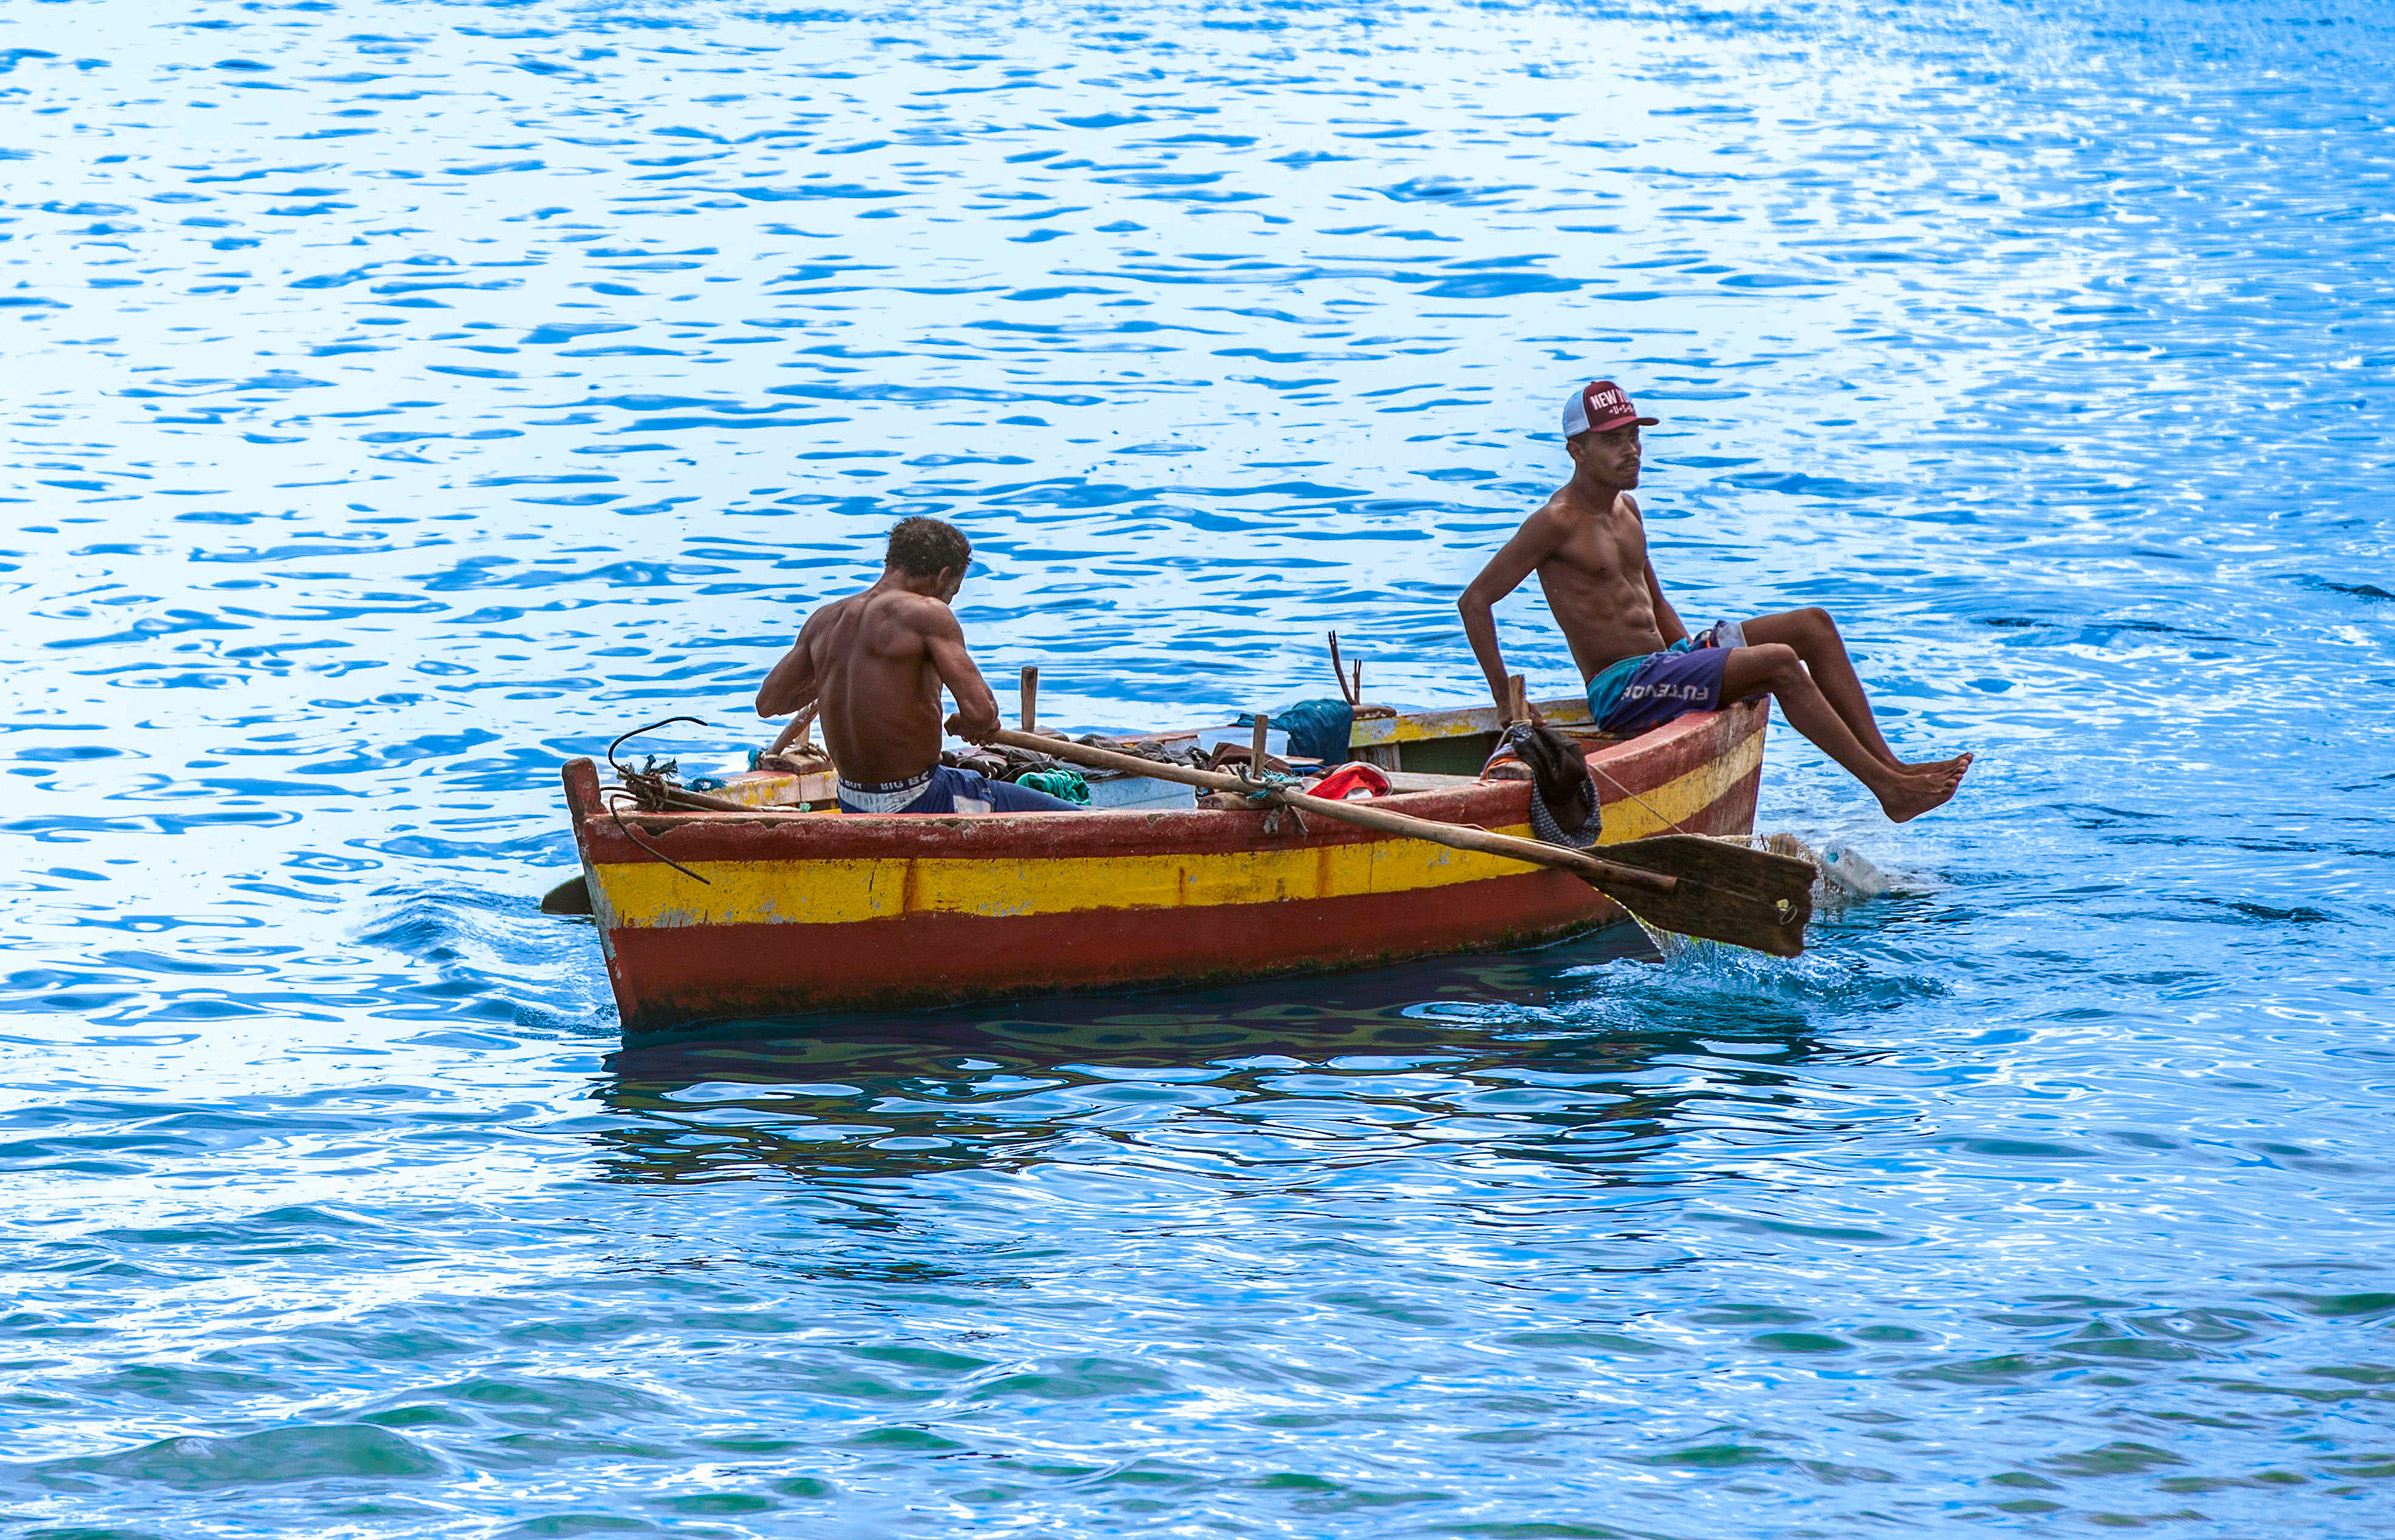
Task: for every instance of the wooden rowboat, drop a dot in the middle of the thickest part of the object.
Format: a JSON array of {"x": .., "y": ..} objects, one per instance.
[{"x": 781, "y": 913}]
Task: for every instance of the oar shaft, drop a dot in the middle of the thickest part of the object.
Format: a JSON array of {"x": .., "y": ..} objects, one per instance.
[
  {"x": 1456, "y": 836},
  {"x": 1108, "y": 759},
  {"x": 1487, "y": 841}
]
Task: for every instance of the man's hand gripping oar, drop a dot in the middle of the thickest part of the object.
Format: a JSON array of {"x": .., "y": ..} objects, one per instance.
[{"x": 1676, "y": 882}]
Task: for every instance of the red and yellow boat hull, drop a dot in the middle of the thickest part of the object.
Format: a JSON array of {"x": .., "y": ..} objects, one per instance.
[{"x": 801, "y": 913}]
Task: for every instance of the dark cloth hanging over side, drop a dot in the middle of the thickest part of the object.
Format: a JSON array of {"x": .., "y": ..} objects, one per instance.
[
  {"x": 1317, "y": 729},
  {"x": 1563, "y": 796}
]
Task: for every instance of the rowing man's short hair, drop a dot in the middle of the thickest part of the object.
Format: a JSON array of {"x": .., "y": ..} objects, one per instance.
[{"x": 921, "y": 547}]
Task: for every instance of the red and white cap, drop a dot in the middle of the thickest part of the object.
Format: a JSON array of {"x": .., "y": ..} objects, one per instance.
[{"x": 1598, "y": 406}]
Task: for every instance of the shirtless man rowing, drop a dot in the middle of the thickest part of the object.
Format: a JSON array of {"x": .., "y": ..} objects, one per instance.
[
  {"x": 873, "y": 663},
  {"x": 1641, "y": 666}
]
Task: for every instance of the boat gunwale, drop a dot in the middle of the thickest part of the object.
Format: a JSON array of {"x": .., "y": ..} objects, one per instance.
[{"x": 1677, "y": 747}]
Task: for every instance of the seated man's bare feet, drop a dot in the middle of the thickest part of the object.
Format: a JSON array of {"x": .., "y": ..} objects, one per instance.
[
  {"x": 1920, "y": 788},
  {"x": 1950, "y": 769},
  {"x": 1953, "y": 768}
]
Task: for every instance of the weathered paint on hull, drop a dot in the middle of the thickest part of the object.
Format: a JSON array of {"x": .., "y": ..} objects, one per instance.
[{"x": 804, "y": 914}]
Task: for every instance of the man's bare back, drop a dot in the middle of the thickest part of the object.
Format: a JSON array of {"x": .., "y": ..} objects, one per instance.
[
  {"x": 876, "y": 685},
  {"x": 1588, "y": 546},
  {"x": 872, "y": 666}
]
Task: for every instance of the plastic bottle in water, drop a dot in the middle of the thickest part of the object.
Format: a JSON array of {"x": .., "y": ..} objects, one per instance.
[{"x": 1852, "y": 872}]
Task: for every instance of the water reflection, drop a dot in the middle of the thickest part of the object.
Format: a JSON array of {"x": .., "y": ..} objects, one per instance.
[{"x": 1511, "y": 1057}]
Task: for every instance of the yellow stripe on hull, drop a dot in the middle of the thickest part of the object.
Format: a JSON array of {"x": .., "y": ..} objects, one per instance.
[
  {"x": 1677, "y": 800},
  {"x": 836, "y": 892},
  {"x": 651, "y": 895}
]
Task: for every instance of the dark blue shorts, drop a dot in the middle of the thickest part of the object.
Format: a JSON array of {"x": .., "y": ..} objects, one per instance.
[
  {"x": 1666, "y": 685},
  {"x": 1637, "y": 694},
  {"x": 945, "y": 788}
]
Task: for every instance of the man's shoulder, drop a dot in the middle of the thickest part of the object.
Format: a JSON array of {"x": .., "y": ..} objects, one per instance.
[
  {"x": 918, "y": 614},
  {"x": 1555, "y": 516}
]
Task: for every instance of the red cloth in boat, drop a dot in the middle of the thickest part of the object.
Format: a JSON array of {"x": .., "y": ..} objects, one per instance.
[{"x": 1352, "y": 782}]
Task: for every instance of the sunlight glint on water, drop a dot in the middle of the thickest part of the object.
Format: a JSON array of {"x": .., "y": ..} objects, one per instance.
[{"x": 407, "y": 397}]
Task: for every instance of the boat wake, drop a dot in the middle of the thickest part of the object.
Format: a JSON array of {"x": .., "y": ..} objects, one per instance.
[{"x": 492, "y": 958}]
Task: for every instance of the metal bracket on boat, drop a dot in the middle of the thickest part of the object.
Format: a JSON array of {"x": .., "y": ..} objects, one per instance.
[
  {"x": 1265, "y": 786},
  {"x": 1272, "y": 821}
]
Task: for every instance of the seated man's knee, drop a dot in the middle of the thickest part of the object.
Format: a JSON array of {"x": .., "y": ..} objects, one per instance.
[
  {"x": 1777, "y": 664},
  {"x": 1817, "y": 622}
]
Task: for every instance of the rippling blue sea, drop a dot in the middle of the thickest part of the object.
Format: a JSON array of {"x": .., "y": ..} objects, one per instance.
[{"x": 401, "y": 398}]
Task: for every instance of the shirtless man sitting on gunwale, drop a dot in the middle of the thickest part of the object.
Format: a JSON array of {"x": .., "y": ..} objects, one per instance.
[
  {"x": 1641, "y": 666},
  {"x": 873, "y": 664}
]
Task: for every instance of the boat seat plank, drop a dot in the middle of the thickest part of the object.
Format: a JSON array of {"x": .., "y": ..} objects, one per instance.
[{"x": 1422, "y": 780}]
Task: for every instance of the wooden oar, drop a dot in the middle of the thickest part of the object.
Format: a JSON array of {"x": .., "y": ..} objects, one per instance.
[{"x": 1675, "y": 882}]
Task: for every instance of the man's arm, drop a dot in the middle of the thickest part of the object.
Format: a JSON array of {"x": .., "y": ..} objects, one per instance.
[
  {"x": 944, "y": 641},
  {"x": 792, "y": 682},
  {"x": 1533, "y": 543},
  {"x": 798, "y": 726},
  {"x": 1667, "y": 619}
]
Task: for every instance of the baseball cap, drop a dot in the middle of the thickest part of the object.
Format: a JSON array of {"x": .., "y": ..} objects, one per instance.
[{"x": 1598, "y": 406}]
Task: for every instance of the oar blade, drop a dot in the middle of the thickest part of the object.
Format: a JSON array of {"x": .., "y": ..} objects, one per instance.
[
  {"x": 571, "y": 896},
  {"x": 1727, "y": 892}
]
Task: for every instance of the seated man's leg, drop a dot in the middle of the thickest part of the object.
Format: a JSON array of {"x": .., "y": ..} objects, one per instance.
[
  {"x": 1814, "y": 638},
  {"x": 1904, "y": 791}
]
